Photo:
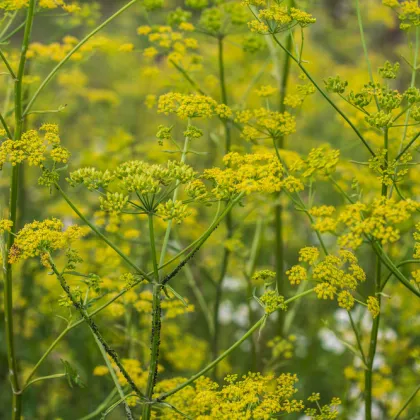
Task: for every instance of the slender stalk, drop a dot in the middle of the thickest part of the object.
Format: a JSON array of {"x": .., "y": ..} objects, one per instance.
[
  {"x": 321, "y": 91},
  {"x": 409, "y": 144},
  {"x": 228, "y": 220},
  {"x": 101, "y": 235},
  {"x": 94, "y": 328},
  {"x": 114, "y": 377},
  {"x": 7, "y": 64},
  {"x": 364, "y": 45},
  {"x": 407, "y": 403},
  {"x": 412, "y": 84},
  {"x": 43, "y": 378},
  {"x": 226, "y": 353},
  {"x": 359, "y": 341},
  {"x": 14, "y": 182},
  {"x": 194, "y": 247},
  {"x": 174, "y": 198},
  {"x": 94, "y": 414},
  {"x": 278, "y": 209},
  {"x": 214, "y": 362},
  {"x": 7, "y": 26},
  {"x": 156, "y": 325},
  {"x": 55, "y": 70},
  {"x": 375, "y": 326}
]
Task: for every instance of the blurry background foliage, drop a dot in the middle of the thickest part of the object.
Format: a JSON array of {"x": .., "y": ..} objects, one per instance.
[{"x": 110, "y": 117}]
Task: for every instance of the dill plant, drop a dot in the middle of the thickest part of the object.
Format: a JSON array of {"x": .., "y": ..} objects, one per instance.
[{"x": 142, "y": 252}]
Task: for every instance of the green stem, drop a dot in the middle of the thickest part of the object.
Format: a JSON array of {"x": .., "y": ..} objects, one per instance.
[
  {"x": 43, "y": 378},
  {"x": 94, "y": 328},
  {"x": 55, "y": 70},
  {"x": 375, "y": 326},
  {"x": 278, "y": 209},
  {"x": 101, "y": 235},
  {"x": 174, "y": 198},
  {"x": 215, "y": 362},
  {"x": 226, "y": 353},
  {"x": 7, "y": 64},
  {"x": 114, "y": 377},
  {"x": 364, "y": 45},
  {"x": 156, "y": 325},
  {"x": 358, "y": 340},
  {"x": 407, "y": 403},
  {"x": 228, "y": 220},
  {"x": 14, "y": 182},
  {"x": 192, "y": 247},
  {"x": 372, "y": 349},
  {"x": 321, "y": 91},
  {"x": 94, "y": 414}
]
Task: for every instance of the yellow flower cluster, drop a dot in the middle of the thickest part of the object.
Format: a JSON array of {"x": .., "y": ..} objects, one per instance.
[
  {"x": 278, "y": 18},
  {"x": 69, "y": 7},
  {"x": 34, "y": 147},
  {"x": 5, "y": 225},
  {"x": 335, "y": 276},
  {"x": 377, "y": 220},
  {"x": 408, "y": 12},
  {"x": 38, "y": 238},
  {"x": 416, "y": 236},
  {"x": 262, "y": 123},
  {"x": 133, "y": 368},
  {"x": 271, "y": 301},
  {"x": 174, "y": 43},
  {"x": 191, "y": 106},
  {"x": 324, "y": 222},
  {"x": 373, "y": 306},
  {"x": 250, "y": 173},
  {"x": 263, "y": 277},
  {"x": 254, "y": 396},
  {"x": 138, "y": 177},
  {"x": 56, "y": 51}
]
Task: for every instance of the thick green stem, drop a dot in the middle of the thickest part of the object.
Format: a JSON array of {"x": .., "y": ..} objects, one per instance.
[
  {"x": 14, "y": 182},
  {"x": 375, "y": 326},
  {"x": 156, "y": 325},
  {"x": 278, "y": 209},
  {"x": 228, "y": 221}
]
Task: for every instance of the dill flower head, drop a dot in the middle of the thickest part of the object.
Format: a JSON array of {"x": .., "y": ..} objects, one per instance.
[
  {"x": 5, "y": 225},
  {"x": 373, "y": 306},
  {"x": 67, "y": 6},
  {"x": 261, "y": 124},
  {"x": 278, "y": 18},
  {"x": 336, "y": 276},
  {"x": 34, "y": 147},
  {"x": 191, "y": 106},
  {"x": 271, "y": 301},
  {"x": 379, "y": 219},
  {"x": 251, "y": 173},
  {"x": 38, "y": 238},
  {"x": 142, "y": 187},
  {"x": 253, "y": 395},
  {"x": 263, "y": 277}
]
